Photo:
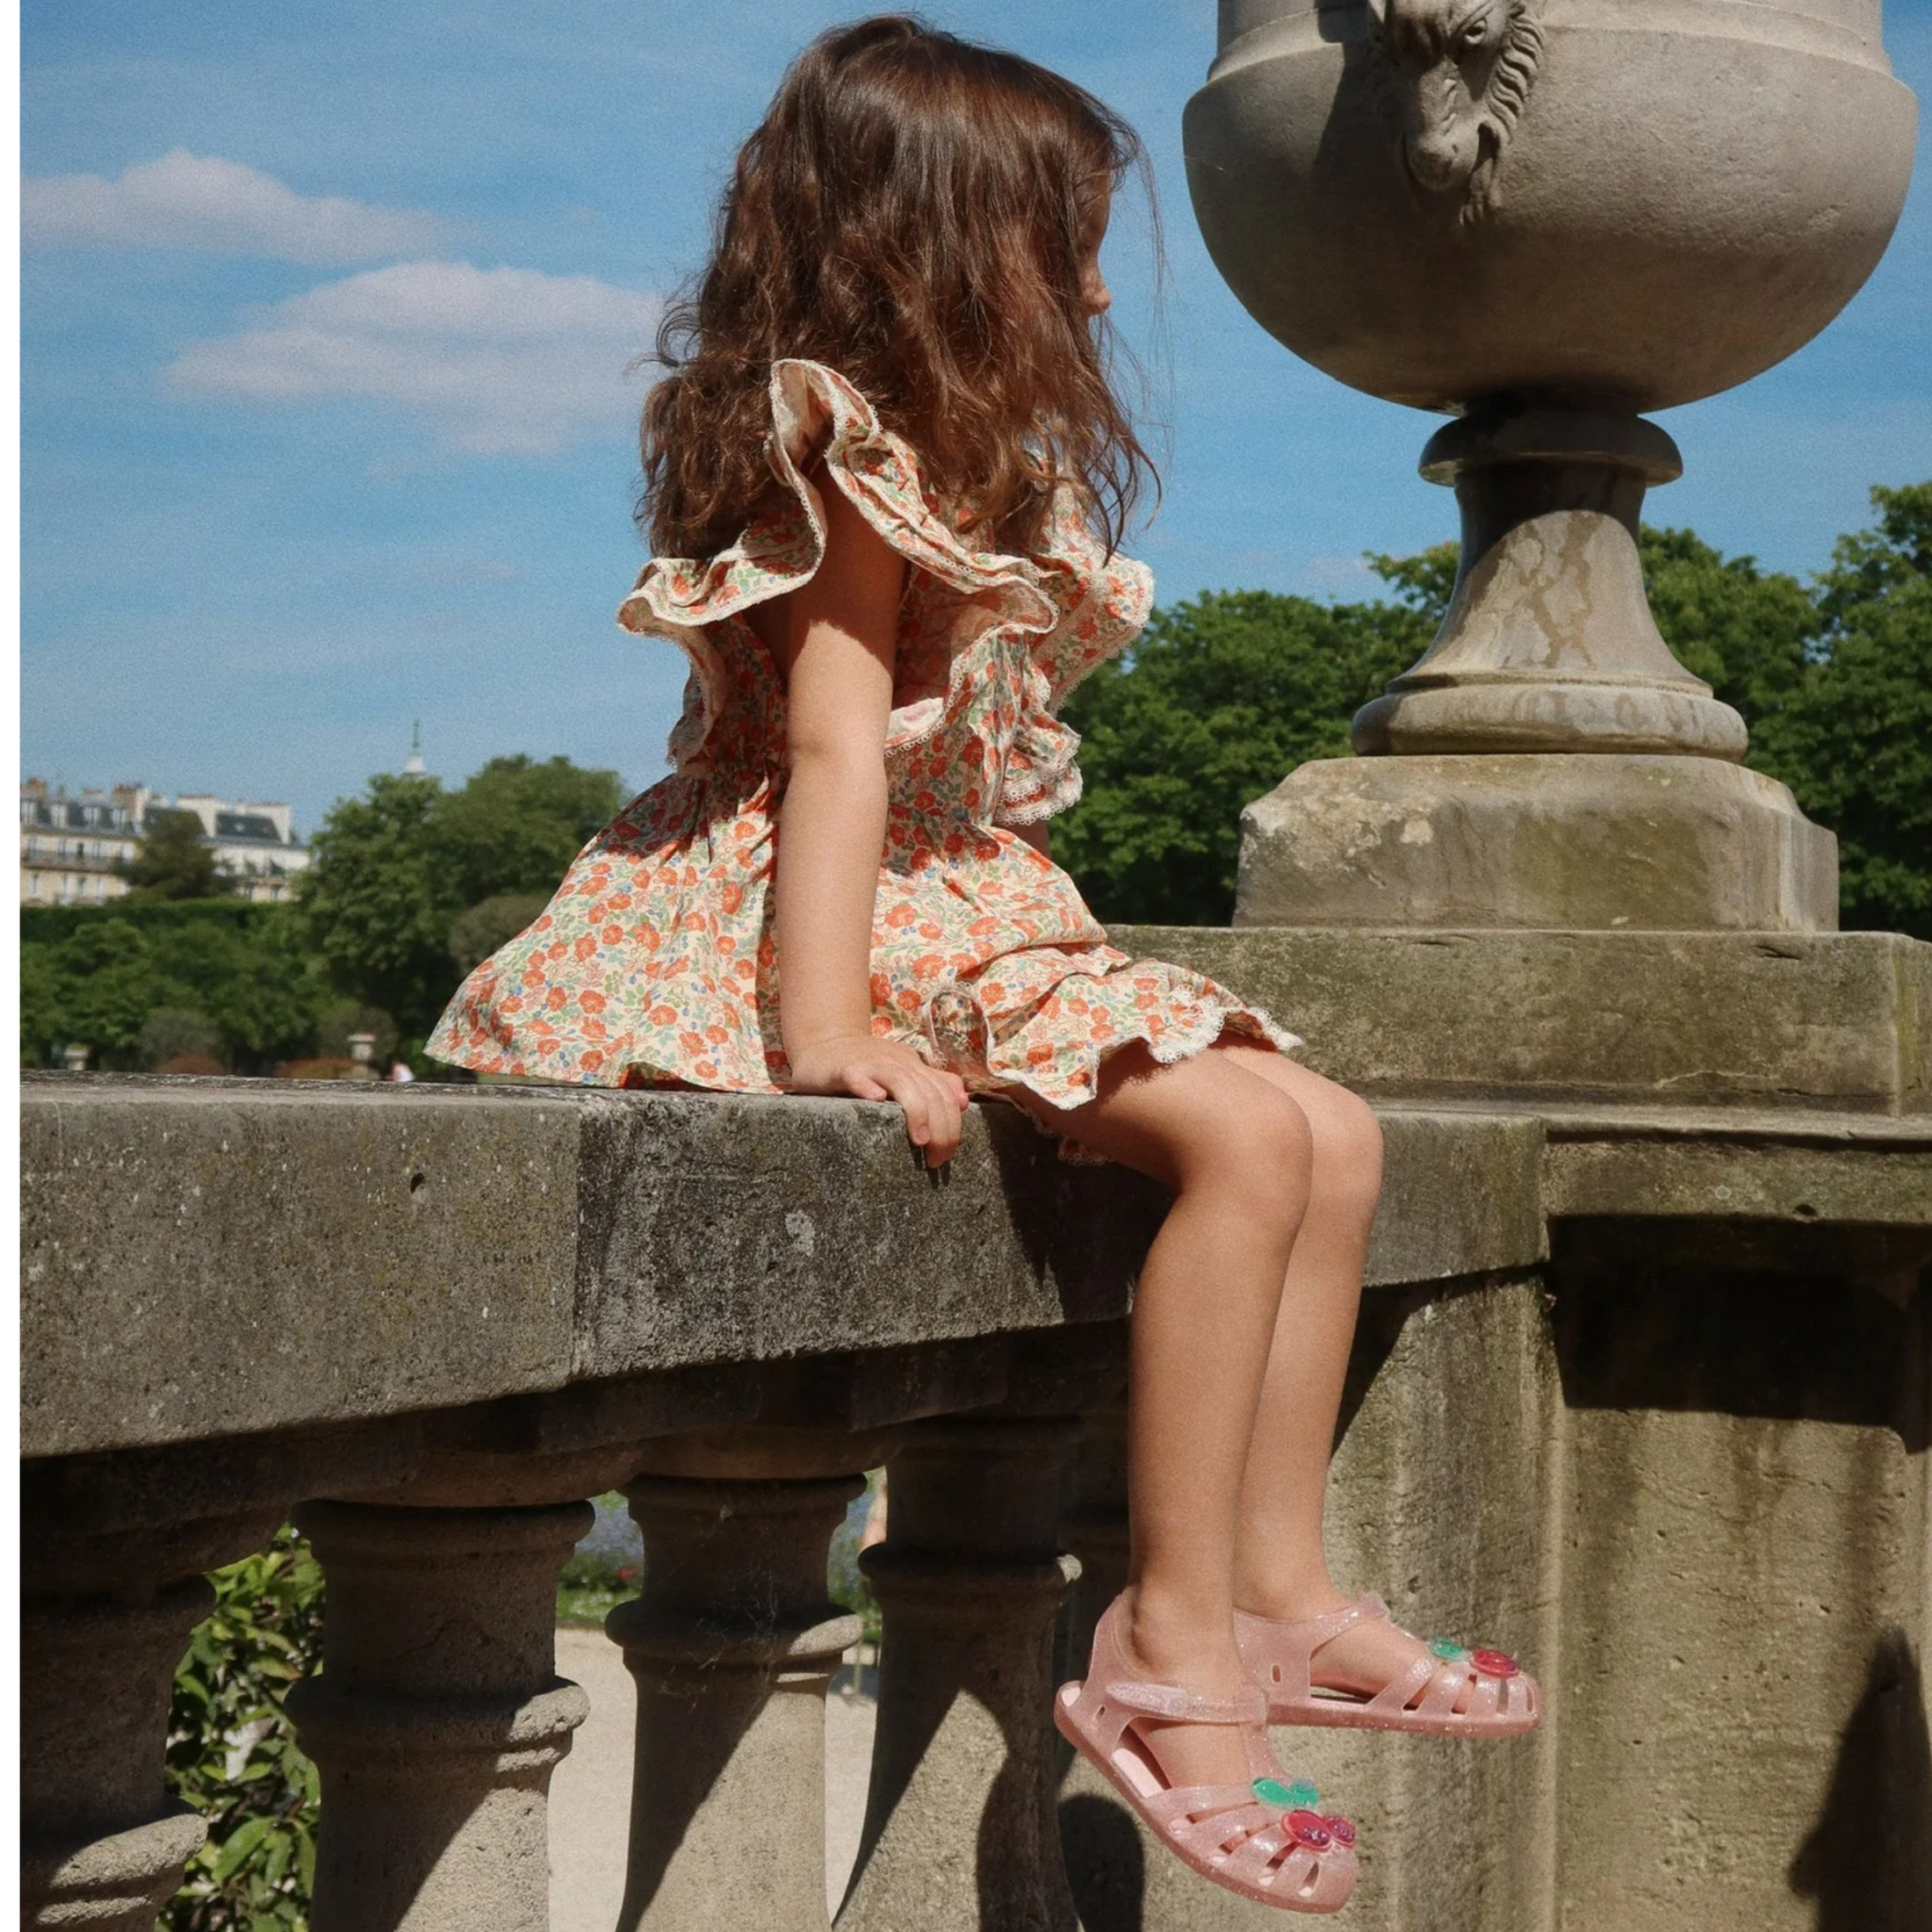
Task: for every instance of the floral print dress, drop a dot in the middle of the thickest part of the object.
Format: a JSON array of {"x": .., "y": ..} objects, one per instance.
[{"x": 655, "y": 963}]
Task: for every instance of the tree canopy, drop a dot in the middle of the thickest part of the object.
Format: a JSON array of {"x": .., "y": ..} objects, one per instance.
[
  {"x": 173, "y": 860},
  {"x": 395, "y": 871},
  {"x": 250, "y": 981}
]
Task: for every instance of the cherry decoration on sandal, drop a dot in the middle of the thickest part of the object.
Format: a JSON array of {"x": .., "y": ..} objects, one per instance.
[
  {"x": 1495, "y": 1664},
  {"x": 1310, "y": 1830}
]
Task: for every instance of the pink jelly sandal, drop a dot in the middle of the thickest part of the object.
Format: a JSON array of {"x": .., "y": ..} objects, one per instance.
[
  {"x": 1503, "y": 1702},
  {"x": 1263, "y": 1840}
]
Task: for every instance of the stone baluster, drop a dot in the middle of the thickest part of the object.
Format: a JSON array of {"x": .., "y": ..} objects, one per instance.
[
  {"x": 733, "y": 1645},
  {"x": 104, "y": 1626},
  {"x": 961, "y": 1827},
  {"x": 438, "y": 1716}
]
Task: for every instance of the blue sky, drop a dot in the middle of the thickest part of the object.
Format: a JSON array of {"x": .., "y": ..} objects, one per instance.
[{"x": 325, "y": 421}]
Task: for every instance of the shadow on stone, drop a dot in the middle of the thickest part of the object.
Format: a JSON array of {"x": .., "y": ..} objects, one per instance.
[
  {"x": 1868, "y": 1861},
  {"x": 1648, "y": 1318},
  {"x": 1086, "y": 1228},
  {"x": 1106, "y": 1866}
]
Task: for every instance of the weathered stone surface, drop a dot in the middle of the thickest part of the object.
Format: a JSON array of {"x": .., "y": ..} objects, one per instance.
[
  {"x": 595, "y": 1238},
  {"x": 1455, "y": 1186},
  {"x": 220, "y": 1257},
  {"x": 1743, "y": 1738},
  {"x": 1843, "y": 1019},
  {"x": 1817, "y": 1169},
  {"x": 969, "y": 1579},
  {"x": 1571, "y": 841},
  {"x": 437, "y": 1715},
  {"x": 1548, "y": 643},
  {"x": 761, "y": 1228},
  {"x": 732, "y": 1645}
]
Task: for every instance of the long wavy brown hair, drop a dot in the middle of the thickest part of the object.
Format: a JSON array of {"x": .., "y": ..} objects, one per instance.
[{"x": 914, "y": 211}]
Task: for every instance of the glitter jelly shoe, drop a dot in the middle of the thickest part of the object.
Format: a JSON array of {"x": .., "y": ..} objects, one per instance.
[
  {"x": 1263, "y": 1840},
  {"x": 1502, "y": 1698}
]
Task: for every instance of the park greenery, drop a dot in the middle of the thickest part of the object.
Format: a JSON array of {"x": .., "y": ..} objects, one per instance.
[
  {"x": 412, "y": 882},
  {"x": 232, "y": 1752}
]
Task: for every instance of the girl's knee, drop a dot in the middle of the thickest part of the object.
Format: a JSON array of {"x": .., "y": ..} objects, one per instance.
[
  {"x": 1262, "y": 1143},
  {"x": 1348, "y": 1147}
]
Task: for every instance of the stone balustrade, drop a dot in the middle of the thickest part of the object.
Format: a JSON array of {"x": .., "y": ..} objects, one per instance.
[{"x": 1641, "y": 1391}]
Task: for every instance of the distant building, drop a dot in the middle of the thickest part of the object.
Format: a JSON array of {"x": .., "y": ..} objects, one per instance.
[{"x": 69, "y": 846}]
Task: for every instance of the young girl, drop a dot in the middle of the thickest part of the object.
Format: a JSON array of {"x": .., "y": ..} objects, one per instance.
[{"x": 885, "y": 477}]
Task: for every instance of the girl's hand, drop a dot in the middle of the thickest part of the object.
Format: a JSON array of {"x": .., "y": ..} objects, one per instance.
[{"x": 882, "y": 1070}]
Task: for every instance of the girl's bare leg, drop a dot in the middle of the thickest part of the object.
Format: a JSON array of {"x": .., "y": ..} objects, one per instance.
[
  {"x": 1235, "y": 1149},
  {"x": 1280, "y": 1566}
]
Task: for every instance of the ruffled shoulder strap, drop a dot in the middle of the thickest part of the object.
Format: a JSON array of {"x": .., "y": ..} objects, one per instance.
[
  {"x": 1102, "y": 601},
  {"x": 815, "y": 412}
]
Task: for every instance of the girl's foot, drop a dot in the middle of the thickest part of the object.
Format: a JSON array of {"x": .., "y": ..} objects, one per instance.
[
  {"x": 1255, "y": 1832},
  {"x": 1158, "y": 1650},
  {"x": 1351, "y": 1666}
]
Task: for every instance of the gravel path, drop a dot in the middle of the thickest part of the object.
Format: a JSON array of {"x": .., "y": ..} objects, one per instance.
[{"x": 590, "y": 1793}]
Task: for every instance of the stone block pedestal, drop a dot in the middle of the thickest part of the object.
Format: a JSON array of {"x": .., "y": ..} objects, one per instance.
[{"x": 1574, "y": 841}]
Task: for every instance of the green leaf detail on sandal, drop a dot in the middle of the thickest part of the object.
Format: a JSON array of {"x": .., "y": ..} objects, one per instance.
[{"x": 1299, "y": 1796}]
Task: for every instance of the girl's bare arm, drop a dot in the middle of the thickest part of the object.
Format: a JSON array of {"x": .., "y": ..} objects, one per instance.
[{"x": 835, "y": 640}]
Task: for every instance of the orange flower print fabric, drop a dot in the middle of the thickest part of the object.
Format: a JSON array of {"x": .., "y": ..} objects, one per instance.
[{"x": 655, "y": 961}]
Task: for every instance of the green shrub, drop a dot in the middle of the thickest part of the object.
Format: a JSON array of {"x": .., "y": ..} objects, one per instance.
[
  {"x": 845, "y": 1581},
  {"x": 232, "y": 1752}
]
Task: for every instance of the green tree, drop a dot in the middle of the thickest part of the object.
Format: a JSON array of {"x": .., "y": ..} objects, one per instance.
[
  {"x": 377, "y": 901},
  {"x": 103, "y": 984},
  {"x": 1216, "y": 702},
  {"x": 493, "y": 923},
  {"x": 173, "y": 860},
  {"x": 393, "y": 871},
  {"x": 1854, "y": 738},
  {"x": 518, "y": 824}
]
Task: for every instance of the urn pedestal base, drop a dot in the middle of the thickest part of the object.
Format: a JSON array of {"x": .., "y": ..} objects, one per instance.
[{"x": 1591, "y": 841}]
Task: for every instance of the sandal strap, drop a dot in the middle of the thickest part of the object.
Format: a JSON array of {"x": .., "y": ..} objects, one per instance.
[{"x": 1176, "y": 1702}]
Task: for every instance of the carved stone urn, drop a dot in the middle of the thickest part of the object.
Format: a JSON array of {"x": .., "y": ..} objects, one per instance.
[{"x": 1542, "y": 217}]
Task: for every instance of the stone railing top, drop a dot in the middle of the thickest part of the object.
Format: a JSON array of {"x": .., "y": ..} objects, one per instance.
[{"x": 216, "y": 1259}]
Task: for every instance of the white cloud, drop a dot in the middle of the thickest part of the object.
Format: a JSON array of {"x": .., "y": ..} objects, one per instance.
[
  {"x": 494, "y": 360},
  {"x": 199, "y": 201}
]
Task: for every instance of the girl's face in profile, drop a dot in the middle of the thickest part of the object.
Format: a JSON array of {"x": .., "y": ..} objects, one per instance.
[{"x": 1094, "y": 291}]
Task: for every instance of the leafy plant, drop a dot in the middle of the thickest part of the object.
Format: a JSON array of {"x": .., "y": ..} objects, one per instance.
[
  {"x": 173, "y": 860},
  {"x": 170, "y": 1033},
  {"x": 604, "y": 1568},
  {"x": 232, "y": 1751},
  {"x": 99, "y": 978},
  {"x": 844, "y": 1582}
]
